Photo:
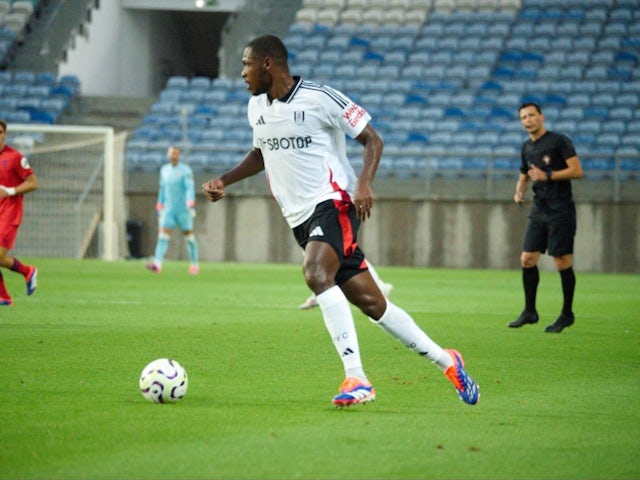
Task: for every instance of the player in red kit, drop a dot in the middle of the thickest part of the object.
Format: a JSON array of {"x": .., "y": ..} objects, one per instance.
[{"x": 16, "y": 179}]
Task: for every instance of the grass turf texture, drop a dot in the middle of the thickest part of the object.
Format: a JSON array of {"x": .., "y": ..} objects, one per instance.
[{"x": 262, "y": 374}]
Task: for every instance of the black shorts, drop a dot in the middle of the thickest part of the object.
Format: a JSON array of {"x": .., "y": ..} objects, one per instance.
[
  {"x": 336, "y": 223},
  {"x": 551, "y": 227}
]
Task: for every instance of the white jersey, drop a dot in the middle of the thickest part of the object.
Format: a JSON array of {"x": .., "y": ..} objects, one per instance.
[{"x": 302, "y": 139}]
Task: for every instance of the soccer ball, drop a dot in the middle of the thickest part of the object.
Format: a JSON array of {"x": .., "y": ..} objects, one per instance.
[{"x": 163, "y": 380}]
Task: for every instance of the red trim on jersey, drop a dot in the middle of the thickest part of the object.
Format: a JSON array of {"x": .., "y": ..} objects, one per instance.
[{"x": 336, "y": 188}]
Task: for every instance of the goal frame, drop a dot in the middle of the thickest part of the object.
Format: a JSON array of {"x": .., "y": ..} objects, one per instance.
[{"x": 111, "y": 171}]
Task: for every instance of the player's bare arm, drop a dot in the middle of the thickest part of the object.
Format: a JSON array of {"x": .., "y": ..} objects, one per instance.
[
  {"x": 363, "y": 195},
  {"x": 252, "y": 164},
  {"x": 28, "y": 185}
]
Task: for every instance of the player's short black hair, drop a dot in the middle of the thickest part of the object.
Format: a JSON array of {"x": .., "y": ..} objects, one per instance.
[
  {"x": 3, "y": 124},
  {"x": 530, "y": 104},
  {"x": 269, "y": 46}
]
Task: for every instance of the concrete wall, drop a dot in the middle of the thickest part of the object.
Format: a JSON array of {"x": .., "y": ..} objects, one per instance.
[
  {"x": 132, "y": 52},
  {"x": 423, "y": 233}
]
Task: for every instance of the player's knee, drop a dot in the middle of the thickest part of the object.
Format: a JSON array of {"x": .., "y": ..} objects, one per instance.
[
  {"x": 528, "y": 260},
  {"x": 373, "y": 306},
  {"x": 562, "y": 263},
  {"x": 317, "y": 278}
]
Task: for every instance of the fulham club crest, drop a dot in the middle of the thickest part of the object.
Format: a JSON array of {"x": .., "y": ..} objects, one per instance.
[{"x": 298, "y": 117}]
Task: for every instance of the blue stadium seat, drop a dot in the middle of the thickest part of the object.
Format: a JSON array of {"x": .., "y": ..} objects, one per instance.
[
  {"x": 573, "y": 113},
  {"x": 24, "y": 77},
  {"x": 621, "y": 74},
  {"x": 603, "y": 100},
  {"x": 148, "y": 161},
  {"x": 596, "y": 113},
  {"x": 199, "y": 162},
  {"x": 630, "y": 140},
  {"x": 614, "y": 126},
  {"x": 200, "y": 83},
  {"x": 41, "y": 91},
  {"x": 178, "y": 82}
]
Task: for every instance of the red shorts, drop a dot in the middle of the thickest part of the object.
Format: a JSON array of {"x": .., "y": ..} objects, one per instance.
[{"x": 8, "y": 234}]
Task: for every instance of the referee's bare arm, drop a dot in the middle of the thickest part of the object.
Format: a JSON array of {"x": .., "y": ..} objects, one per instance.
[
  {"x": 572, "y": 172},
  {"x": 521, "y": 187}
]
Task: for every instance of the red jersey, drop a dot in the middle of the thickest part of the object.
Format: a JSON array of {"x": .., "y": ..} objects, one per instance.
[{"x": 14, "y": 168}]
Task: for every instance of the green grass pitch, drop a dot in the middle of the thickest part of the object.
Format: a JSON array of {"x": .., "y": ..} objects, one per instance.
[{"x": 262, "y": 374}]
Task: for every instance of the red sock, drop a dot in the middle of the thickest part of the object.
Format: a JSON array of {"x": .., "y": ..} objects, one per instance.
[
  {"x": 19, "y": 267},
  {"x": 3, "y": 289}
]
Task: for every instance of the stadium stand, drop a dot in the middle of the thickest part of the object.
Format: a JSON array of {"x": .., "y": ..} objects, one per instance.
[
  {"x": 35, "y": 98},
  {"x": 455, "y": 76},
  {"x": 29, "y": 97}
]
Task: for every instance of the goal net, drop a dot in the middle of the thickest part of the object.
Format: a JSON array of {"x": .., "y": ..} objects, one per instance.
[{"x": 79, "y": 208}]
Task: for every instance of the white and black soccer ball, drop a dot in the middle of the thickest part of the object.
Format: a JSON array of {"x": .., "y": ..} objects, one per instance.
[{"x": 163, "y": 381}]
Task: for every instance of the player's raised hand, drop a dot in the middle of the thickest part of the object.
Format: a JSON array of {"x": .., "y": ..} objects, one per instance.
[{"x": 213, "y": 189}]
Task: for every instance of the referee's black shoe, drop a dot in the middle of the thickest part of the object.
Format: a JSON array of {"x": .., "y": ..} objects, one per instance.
[
  {"x": 524, "y": 318},
  {"x": 563, "y": 321}
]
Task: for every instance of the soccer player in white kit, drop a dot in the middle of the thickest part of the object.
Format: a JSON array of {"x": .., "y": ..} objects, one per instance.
[{"x": 299, "y": 132}]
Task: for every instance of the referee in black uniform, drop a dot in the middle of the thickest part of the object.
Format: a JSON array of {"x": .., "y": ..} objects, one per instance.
[{"x": 549, "y": 159}]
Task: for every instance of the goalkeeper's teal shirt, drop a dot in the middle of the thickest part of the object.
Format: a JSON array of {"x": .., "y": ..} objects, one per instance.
[{"x": 177, "y": 191}]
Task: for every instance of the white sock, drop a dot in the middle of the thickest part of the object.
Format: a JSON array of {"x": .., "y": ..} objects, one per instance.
[
  {"x": 399, "y": 324},
  {"x": 338, "y": 319}
]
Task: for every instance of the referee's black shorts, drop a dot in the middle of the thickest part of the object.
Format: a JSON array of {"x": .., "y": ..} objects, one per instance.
[
  {"x": 336, "y": 223},
  {"x": 551, "y": 227}
]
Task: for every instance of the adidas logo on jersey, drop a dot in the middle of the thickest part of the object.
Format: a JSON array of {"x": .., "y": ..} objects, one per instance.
[
  {"x": 317, "y": 232},
  {"x": 261, "y": 121}
]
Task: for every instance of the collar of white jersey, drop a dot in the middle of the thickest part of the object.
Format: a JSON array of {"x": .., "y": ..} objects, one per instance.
[{"x": 286, "y": 98}]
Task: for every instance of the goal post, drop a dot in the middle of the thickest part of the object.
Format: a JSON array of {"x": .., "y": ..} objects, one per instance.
[{"x": 79, "y": 208}]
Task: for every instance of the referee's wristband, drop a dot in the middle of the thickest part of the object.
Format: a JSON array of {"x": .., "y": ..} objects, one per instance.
[{"x": 11, "y": 191}]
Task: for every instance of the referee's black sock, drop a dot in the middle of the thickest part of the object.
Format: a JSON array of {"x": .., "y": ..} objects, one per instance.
[
  {"x": 530, "y": 279},
  {"x": 568, "y": 279}
]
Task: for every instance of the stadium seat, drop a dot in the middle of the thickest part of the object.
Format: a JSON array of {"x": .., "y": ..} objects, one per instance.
[
  {"x": 328, "y": 16},
  {"x": 178, "y": 82},
  {"x": 306, "y": 16},
  {"x": 596, "y": 113},
  {"x": 200, "y": 83},
  {"x": 351, "y": 16},
  {"x": 623, "y": 113},
  {"x": 415, "y": 17},
  {"x": 26, "y": 7},
  {"x": 24, "y": 77}
]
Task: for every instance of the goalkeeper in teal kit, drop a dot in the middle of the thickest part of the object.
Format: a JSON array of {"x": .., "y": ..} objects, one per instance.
[{"x": 176, "y": 207}]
